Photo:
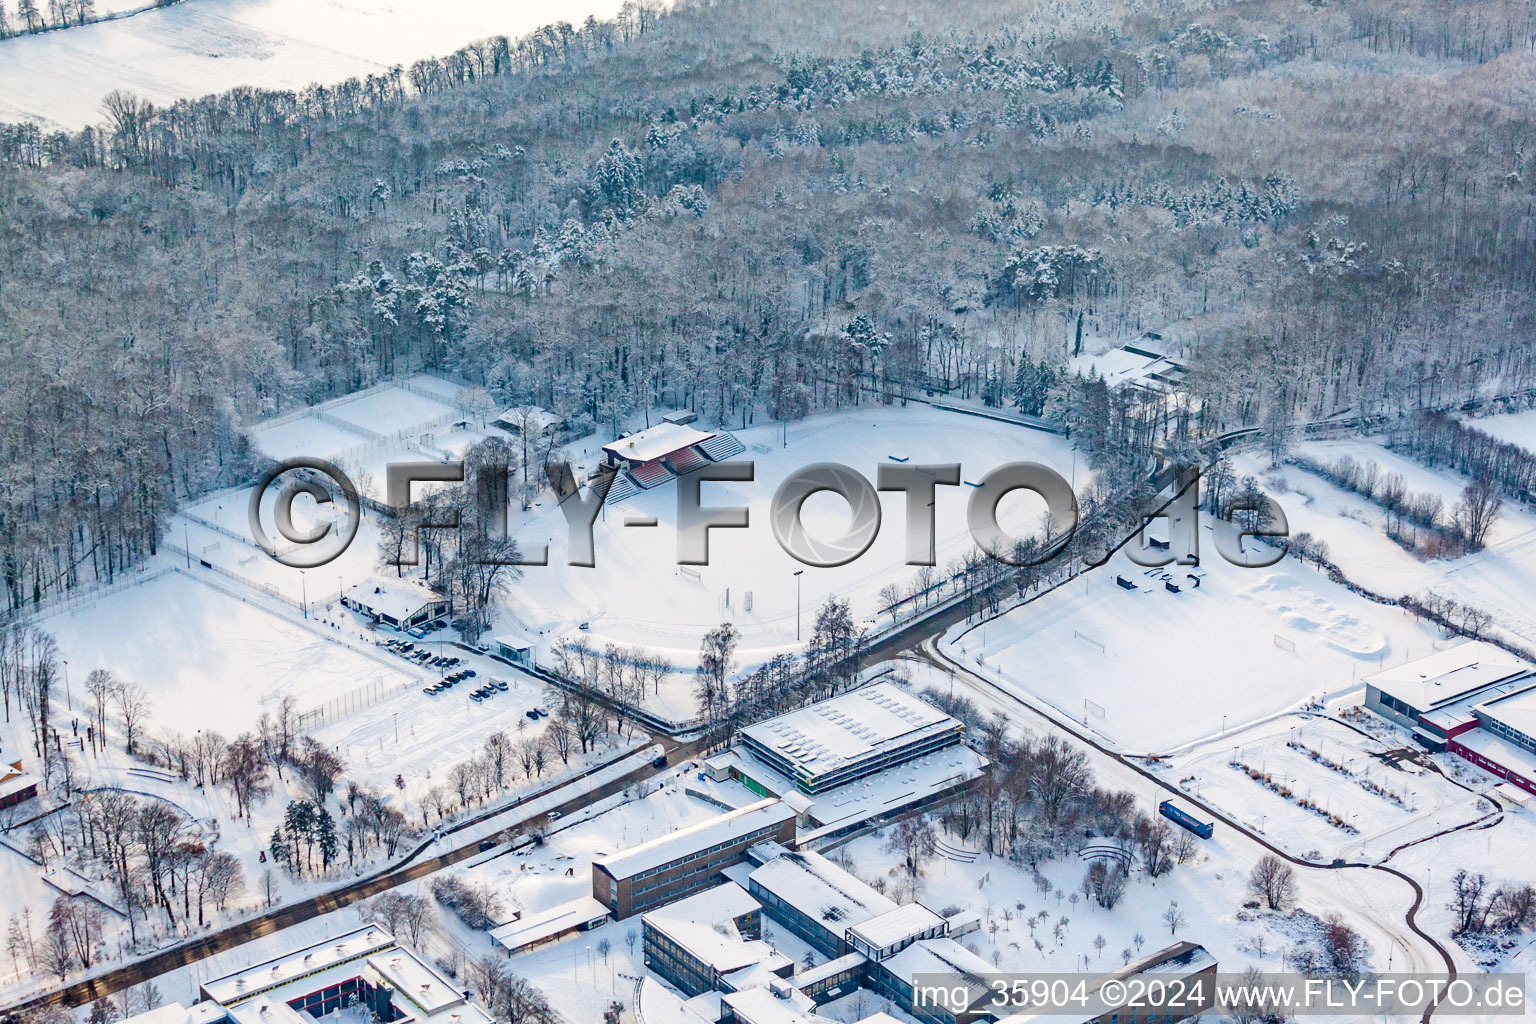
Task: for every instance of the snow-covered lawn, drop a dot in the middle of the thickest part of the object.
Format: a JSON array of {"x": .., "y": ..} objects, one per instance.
[
  {"x": 204, "y": 46},
  {"x": 1500, "y": 580},
  {"x": 210, "y": 660},
  {"x": 1175, "y": 668}
]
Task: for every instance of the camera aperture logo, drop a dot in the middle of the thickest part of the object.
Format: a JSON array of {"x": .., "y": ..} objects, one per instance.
[
  {"x": 340, "y": 505},
  {"x": 329, "y": 487}
]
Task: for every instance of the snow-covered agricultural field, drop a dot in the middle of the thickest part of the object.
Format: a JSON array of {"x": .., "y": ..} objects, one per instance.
[
  {"x": 1177, "y": 668},
  {"x": 1500, "y": 579},
  {"x": 637, "y": 593},
  {"x": 204, "y": 46}
]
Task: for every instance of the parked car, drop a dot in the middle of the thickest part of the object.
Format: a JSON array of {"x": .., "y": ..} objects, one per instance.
[
  {"x": 429, "y": 690},
  {"x": 501, "y": 684}
]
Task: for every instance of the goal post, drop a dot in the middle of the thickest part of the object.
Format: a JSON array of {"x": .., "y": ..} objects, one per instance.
[
  {"x": 1090, "y": 641},
  {"x": 1284, "y": 644}
]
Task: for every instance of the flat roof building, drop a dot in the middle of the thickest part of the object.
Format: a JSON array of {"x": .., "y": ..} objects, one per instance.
[
  {"x": 579, "y": 915},
  {"x": 895, "y": 930},
  {"x": 681, "y": 863},
  {"x": 713, "y": 940},
  {"x": 813, "y": 897},
  {"x": 1406, "y": 693},
  {"x": 1473, "y": 700},
  {"x": 365, "y": 968},
  {"x": 851, "y": 736}
]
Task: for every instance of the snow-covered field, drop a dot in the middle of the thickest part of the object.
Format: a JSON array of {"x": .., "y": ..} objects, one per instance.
[
  {"x": 1515, "y": 427},
  {"x": 305, "y": 436},
  {"x": 1176, "y": 668},
  {"x": 637, "y": 593},
  {"x": 212, "y": 660},
  {"x": 1370, "y": 797},
  {"x": 217, "y": 530},
  {"x": 1500, "y": 579},
  {"x": 204, "y": 46}
]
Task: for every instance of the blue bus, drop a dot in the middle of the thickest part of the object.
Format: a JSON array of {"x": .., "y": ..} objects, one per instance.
[{"x": 1184, "y": 819}]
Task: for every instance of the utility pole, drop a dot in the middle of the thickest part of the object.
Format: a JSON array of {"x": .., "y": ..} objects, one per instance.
[{"x": 798, "y": 574}]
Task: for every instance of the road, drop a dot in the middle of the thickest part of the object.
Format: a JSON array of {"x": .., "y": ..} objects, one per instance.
[{"x": 414, "y": 866}]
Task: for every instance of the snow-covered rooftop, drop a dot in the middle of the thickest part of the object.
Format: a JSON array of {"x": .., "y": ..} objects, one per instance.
[
  {"x": 1460, "y": 711},
  {"x": 655, "y": 1003},
  {"x": 897, "y": 925},
  {"x": 176, "y": 1013},
  {"x": 412, "y": 978},
  {"x": 811, "y": 975},
  {"x": 1429, "y": 682},
  {"x": 350, "y": 946},
  {"x": 728, "y": 826},
  {"x": 942, "y": 955},
  {"x": 781, "y": 1004},
  {"x": 821, "y": 890},
  {"x": 1516, "y": 709},
  {"x": 849, "y": 728},
  {"x": 268, "y": 1008},
  {"x": 704, "y": 925},
  {"x": 537, "y": 418},
  {"x": 549, "y": 923},
  {"x": 261, "y": 994},
  {"x": 398, "y": 598},
  {"x": 1500, "y": 751},
  {"x": 1140, "y": 363},
  {"x": 907, "y": 783},
  {"x": 14, "y": 779},
  {"x": 1182, "y": 960},
  {"x": 654, "y": 442}
]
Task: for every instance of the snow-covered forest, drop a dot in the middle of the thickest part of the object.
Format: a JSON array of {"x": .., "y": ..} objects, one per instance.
[{"x": 756, "y": 211}]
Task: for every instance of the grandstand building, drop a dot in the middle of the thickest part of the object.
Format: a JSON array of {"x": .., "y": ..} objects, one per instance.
[{"x": 659, "y": 454}]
